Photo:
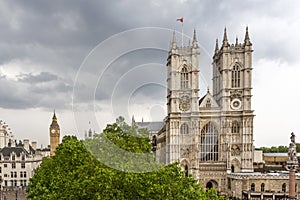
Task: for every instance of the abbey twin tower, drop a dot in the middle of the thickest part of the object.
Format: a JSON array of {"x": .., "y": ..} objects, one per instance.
[{"x": 210, "y": 136}]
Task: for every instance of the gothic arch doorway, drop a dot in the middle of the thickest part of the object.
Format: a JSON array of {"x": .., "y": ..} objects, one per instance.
[
  {"x": 235, "y": 166},
  {"x": 211, "y": 184}
]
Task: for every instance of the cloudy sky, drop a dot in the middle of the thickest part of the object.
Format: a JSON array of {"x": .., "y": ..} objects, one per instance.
[{"x": 95, "y": 60}]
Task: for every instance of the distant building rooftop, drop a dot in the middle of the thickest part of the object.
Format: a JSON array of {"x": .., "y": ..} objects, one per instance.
[
  {"x": 153, "y": 127},
  {"x": 277, "y": 154}
]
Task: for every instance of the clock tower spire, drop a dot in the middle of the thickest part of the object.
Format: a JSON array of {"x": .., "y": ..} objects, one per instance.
[{"x": 54, "y": 134}]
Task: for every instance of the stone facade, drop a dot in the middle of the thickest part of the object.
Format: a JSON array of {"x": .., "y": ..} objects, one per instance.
[
  {"x": 213, "y": 135},
  {"x": 259, "y": 186}
]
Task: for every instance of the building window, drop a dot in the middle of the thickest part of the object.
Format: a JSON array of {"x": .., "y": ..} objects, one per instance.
[
  {"x": 22, "y": 165},
  {"x": 5, "y": 175},
  {"x": 23, "y": 157},
  {"x": 5, "y": 183},
  {"x": 184, "y": 129},
  {"x": 262, "y": 187},
  {"x": 209, "y": 143},
  {"x": 208, "y": 103},
  {"x": 284, "y": 187},
  {"x": 5, "y": 165},
  {"x": 236, "y": 76},
  {"x": 21, "y": 174},
  {"x": 0, "y": 169},
  {"x": 15, "y": 183},
  {"x": 11, "y": 174},
  {"x": 13, "y": 157},
  {"x": 235, "y": 127},
  {"x": 13, "y": 165},
  {"x": 252, "y": 187},
  {"x": 15, "y": 173},
  {"x": 24, "y": 174},
  {"x": 184, "y": 75}
]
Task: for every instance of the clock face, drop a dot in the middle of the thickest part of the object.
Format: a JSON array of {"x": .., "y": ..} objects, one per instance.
[
  {"x": 236, "y": 104},
  {"x": 184, "y": 103},
  {"x": 184, "y": 106},
  {"x": 53, "y": 131}
]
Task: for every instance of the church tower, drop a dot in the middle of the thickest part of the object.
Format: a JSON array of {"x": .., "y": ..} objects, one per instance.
[
  {"x": 182, "y": 99},
  {"x": 54, "y": 134},
  {"x": 232, "y": 74}
]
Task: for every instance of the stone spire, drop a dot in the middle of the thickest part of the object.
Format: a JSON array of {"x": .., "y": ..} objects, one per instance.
[
  {"x": 247, "y": 38},
  {"x": 195, "y": 42},
  {"x": 133, "y": 121},
  {"x": 54, "y": 119},
  {"x": 173, "y": 44},
  {"x": 225, "y": 40},
  {"x": 236, "y": 41},
  {"x": 217, "y": 46}
]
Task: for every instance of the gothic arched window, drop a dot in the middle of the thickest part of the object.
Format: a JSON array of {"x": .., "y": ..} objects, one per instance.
[
  {"x": 236, "y": 76},
  {"x": 262, "y": 187},
  {"x": 184, "y": 75},
  {"x": 284, "y": 187},
  {"x": 209, "y": 143},
  {"x": 184, "y": 129},
  {"x": 235, "y": 127},
  {"x": 252, "y": 187}
]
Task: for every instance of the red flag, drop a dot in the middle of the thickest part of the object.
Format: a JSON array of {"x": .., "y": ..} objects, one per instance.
[{"x": 180, "y": 19}]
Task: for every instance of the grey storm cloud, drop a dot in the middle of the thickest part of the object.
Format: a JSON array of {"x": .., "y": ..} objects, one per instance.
[
  {"x": 55, "y": 37},
  {"x": 38, "y": 78}
]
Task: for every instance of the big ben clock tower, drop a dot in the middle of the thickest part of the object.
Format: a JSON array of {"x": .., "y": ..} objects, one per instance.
[{"x": 54, "y": 135}]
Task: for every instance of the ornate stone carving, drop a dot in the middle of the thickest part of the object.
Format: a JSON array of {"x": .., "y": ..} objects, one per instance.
[
  {"x": 235, "y": 150},
  {"x": 236, "y": 94}
]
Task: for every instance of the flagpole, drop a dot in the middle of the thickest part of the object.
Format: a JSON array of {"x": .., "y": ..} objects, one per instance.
[{"x": 182, "y": 34}]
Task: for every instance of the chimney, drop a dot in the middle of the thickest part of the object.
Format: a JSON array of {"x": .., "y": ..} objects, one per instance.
[
  {"x": 34, "y": 145},
  {"x": 26, "y": 144}
]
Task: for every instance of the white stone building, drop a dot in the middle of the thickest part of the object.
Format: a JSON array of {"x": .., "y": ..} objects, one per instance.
[{"x": 17, "y": 165}]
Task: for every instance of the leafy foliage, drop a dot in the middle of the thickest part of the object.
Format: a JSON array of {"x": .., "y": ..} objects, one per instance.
[
  {"x": 74, "y": 173},
  {"x": 278, "y": 149}
]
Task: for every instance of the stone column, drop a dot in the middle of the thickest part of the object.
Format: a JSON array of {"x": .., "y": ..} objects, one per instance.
[
  {"x": 292, "y": 184},
  {"x": 292, "y": 164}
]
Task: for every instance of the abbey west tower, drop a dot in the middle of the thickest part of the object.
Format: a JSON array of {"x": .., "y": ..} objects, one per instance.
[{"x": 211, "y": 136}]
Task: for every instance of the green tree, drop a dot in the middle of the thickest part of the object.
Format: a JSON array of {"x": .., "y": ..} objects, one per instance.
[{"x": 74, "y": 173}]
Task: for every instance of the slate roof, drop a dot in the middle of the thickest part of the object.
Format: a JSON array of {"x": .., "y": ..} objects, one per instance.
[
  {"x": 6, "y": 151},
  {"x": 200, "y": 101}
]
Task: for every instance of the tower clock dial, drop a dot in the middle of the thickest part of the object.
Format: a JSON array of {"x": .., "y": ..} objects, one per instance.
[
  {"x": 184, "y": 103},
  {"x": 53, "y": 131}
]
